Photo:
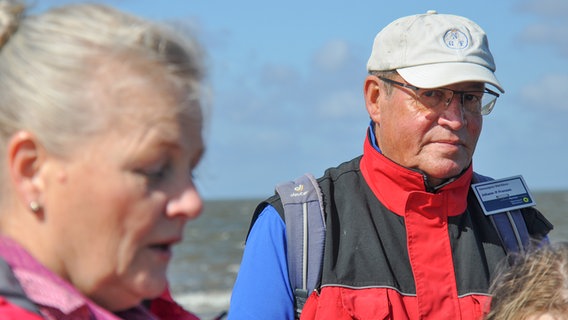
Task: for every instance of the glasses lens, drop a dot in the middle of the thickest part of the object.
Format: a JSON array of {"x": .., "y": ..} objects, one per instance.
[
  {"x": 478, "y": 102},
  {"x": 474, "y": 102},
  {"x": 434, "y": 98},
  {"x": 488, "y": 103}
]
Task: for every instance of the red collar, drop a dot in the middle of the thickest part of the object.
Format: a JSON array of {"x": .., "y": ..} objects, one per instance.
[{"x": 402, "y": 190}]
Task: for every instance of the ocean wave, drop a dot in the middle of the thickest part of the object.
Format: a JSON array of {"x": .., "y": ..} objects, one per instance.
[{"x": 205, "y": 304}]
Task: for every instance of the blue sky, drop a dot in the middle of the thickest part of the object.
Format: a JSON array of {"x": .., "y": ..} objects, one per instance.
[{"x": 287, "y": 80}]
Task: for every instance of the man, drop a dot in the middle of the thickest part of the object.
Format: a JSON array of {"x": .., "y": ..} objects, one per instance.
[{"x": 406, "y": 237}]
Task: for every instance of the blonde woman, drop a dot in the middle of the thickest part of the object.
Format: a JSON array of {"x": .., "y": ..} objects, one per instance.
[{"x": 100, "y": 130}]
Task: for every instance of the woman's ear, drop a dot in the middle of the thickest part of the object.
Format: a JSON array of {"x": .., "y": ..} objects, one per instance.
[
  {"x": 372, "y": 92},
  {"x": 24, "y": 161}
]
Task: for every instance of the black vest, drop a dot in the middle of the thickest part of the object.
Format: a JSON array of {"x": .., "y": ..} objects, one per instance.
[{"x": 366, "y": 242}]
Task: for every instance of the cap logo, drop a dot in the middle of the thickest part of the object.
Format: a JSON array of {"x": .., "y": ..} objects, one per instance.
[{"x": 455, "y": 39}]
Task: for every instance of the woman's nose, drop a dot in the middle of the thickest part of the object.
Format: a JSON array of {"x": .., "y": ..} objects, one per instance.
[{"x": 187, "y": 203}]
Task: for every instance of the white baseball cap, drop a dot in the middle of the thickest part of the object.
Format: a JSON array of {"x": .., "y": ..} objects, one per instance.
[{"x": 433, "y": 50}]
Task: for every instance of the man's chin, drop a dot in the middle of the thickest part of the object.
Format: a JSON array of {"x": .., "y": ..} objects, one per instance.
[{"x": 446, "y": 169}]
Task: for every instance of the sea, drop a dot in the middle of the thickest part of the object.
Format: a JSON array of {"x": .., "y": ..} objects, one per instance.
[{"x": 206, "y": 263}]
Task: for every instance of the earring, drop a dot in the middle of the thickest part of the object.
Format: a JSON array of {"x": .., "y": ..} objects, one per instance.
[{"x": 34, "y": 206}]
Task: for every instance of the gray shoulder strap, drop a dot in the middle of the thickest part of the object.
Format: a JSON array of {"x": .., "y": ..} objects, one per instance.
[{"x": 305, "y": 234}]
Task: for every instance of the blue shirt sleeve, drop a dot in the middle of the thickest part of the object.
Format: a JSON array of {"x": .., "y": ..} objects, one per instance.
[{"x": 262, "y": 289}]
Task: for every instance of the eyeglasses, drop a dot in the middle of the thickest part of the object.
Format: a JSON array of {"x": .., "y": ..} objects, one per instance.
[{"x": 474, "y": 102}]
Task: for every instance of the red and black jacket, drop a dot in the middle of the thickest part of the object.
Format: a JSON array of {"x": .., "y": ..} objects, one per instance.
[{"x": 395, "y": 250}]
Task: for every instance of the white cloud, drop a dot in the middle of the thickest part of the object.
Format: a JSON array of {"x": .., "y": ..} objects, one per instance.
[
  {"x": 551, "y": 28},
  {"x": 341, "y": 105},
  {"x": 278, "y": 75},
  {"x": 332, "y": 56},
  {"x": 273, "y": 113},
  {"x": 546, "y": 8},
  {"x": 548, "y": 92},
  {"x": 550, "y": 34}
]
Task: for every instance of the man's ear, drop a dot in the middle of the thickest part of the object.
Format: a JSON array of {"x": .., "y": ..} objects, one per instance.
[
  {"x": 372, "y": 92},
  {"x": 24, "y": 160}
]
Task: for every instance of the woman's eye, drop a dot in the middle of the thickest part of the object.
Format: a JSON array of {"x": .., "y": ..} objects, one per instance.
[{"x": 157, "y": 174}]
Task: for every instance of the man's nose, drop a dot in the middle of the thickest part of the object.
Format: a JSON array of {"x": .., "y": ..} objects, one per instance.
[{"x": 454, "y": 113}]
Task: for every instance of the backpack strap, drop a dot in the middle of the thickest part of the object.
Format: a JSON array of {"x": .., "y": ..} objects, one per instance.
[
  {"x": 510, "y": 225},
  {"x": 512, "y": 230},
  {"x": 305, "y": 234}
]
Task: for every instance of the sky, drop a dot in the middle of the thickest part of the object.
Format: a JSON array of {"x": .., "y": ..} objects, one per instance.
[{"x": 286, "y": 80}]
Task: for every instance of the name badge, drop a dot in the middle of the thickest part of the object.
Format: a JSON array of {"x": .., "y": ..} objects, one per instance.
[{"x": 503, "y": 195}]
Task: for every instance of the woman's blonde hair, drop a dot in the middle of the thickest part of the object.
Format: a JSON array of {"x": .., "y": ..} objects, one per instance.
[
  {"x": 535, "y": 284},
  {"x": 46, "y": 61}
]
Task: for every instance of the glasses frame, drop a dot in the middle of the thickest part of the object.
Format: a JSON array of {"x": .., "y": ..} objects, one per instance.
[{"x": 485, "y": 109}]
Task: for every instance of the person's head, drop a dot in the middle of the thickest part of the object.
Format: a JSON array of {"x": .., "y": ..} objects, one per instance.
[
  {"x": 100, "y": 130},
  {"x": 535, "y": 287},
  {"x": 426, "y": 92}
]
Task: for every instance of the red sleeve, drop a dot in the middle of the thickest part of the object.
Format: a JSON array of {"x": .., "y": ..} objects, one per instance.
[
  {"x": 10, "y": 311},
  {"x": 165, "y": 308}
]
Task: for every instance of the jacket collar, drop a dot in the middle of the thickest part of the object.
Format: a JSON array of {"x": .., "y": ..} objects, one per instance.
[{"x": 401, "y": 189}]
